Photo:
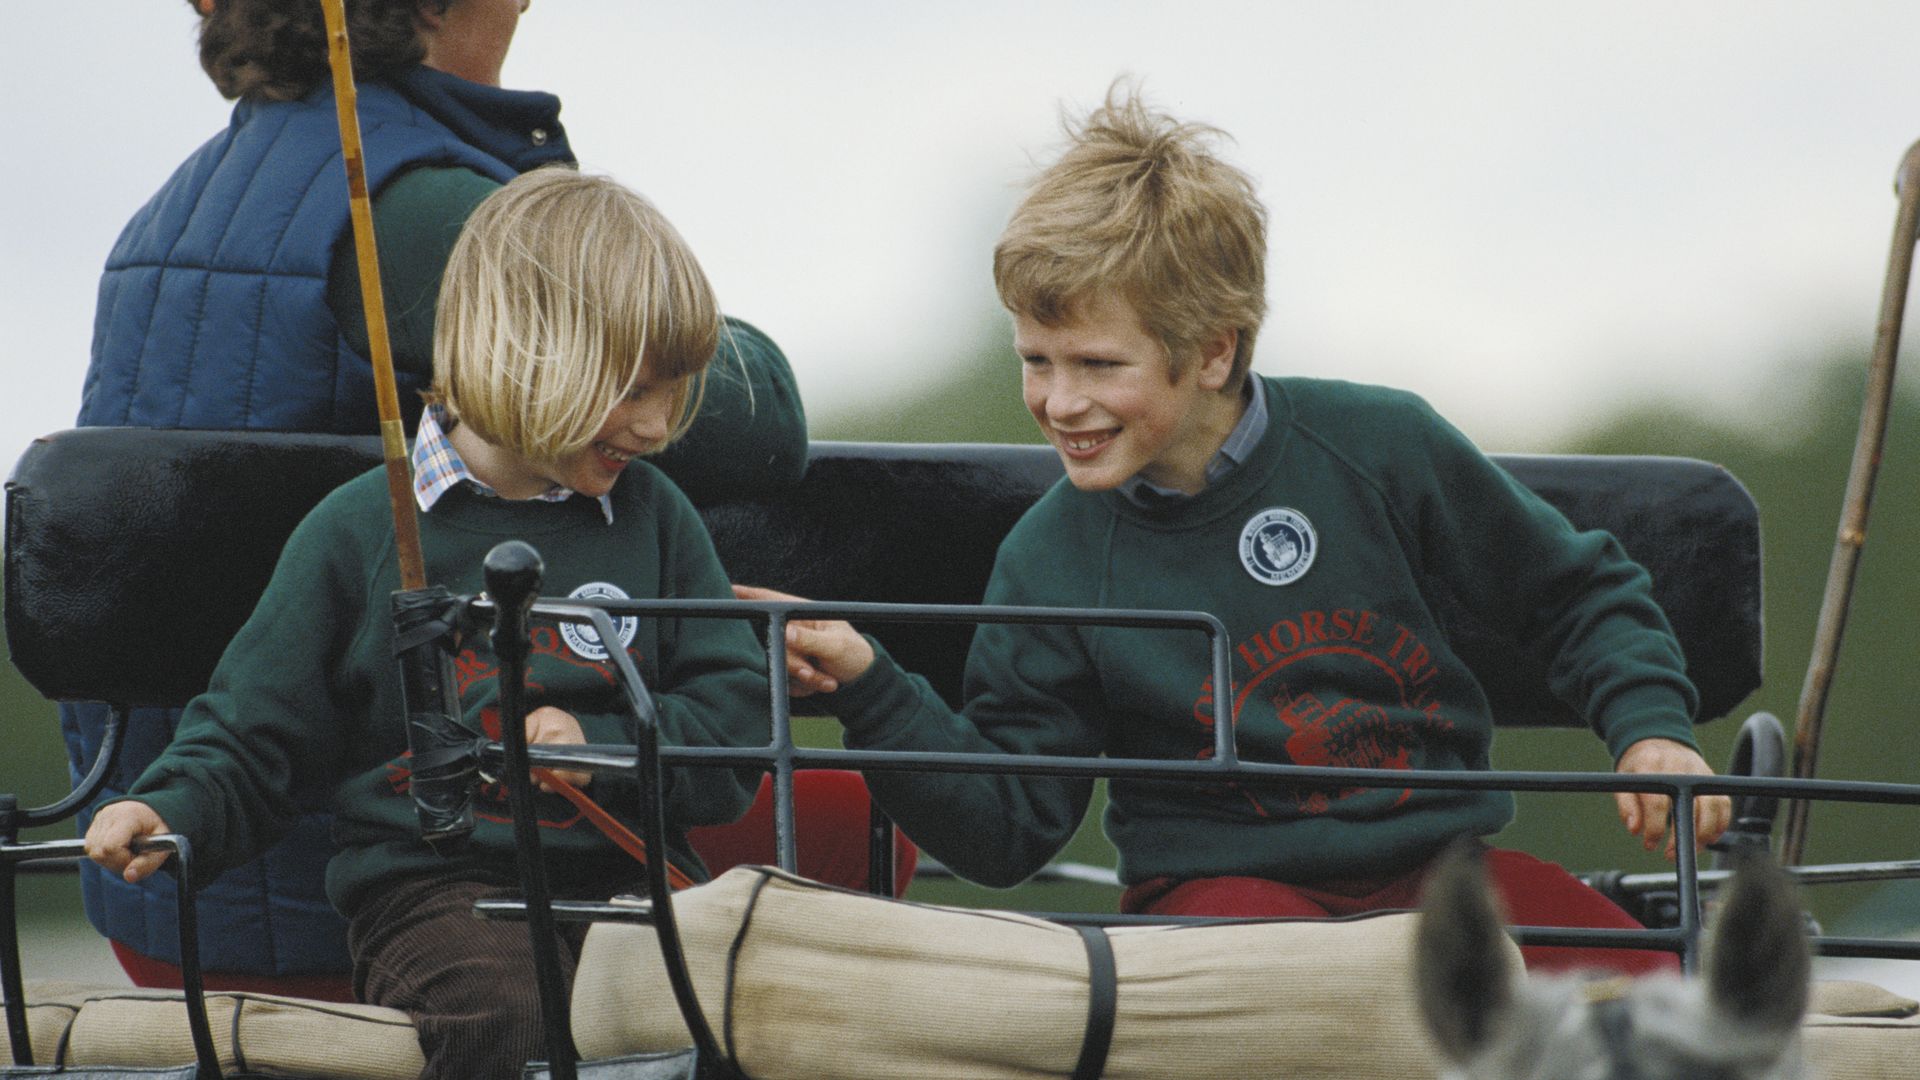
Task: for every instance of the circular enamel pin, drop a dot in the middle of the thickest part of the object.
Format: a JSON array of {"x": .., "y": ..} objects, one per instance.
[
  {"x": 584, "y": 640},
  {"x": 1277, "y": 546}
]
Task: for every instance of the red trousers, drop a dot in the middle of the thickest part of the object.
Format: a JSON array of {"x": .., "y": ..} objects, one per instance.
[
  {"x": 1535, "y": 893},
  {"x": 830, "y": 809}
]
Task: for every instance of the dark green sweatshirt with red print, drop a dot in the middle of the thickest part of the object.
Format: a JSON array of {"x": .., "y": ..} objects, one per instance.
[
  {"x": 1324, "y": 556},
  {"x": 307, "y": 697}
]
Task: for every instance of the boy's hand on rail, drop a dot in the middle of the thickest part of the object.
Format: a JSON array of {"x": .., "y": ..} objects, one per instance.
[
  {"x": 549, "y": 725},
  {"x": 1647, "y": 814},
  {"x": 110, "y": 839},
  {"x": 821, "y": 653}
]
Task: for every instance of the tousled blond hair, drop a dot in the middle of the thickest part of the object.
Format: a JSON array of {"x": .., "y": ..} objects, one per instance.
[
  {"x": 561, "y": 288},
  {"x": 1139, "y": 204}
]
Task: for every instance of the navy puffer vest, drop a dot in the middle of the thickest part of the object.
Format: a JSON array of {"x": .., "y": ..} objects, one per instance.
[{"x": 213, "y": 310}]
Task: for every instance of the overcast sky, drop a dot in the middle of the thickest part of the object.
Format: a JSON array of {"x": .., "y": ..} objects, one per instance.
[{"x": 1527, "y": 211}]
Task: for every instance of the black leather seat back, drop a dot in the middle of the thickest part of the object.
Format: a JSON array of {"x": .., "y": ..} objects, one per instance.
[{"x": 133, "y": 555}]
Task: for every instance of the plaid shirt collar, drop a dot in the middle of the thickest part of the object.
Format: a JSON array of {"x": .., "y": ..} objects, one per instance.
[
  {"x": 1232, "y": 454},
  {"x": 438, "y": 468}
]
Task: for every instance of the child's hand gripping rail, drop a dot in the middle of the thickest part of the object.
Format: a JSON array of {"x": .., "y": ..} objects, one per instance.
[
  {"x": 13, "y": 854},
  {"x": 444, "y": 752}
]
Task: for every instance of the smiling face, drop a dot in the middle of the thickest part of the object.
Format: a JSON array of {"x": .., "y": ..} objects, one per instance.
[
  {"x": 640, "y": 424},
  {"x": 1097, "y": 384}
]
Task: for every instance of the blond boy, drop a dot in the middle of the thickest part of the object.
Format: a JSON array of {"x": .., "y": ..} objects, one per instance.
[{"x": 572, "y": 334}]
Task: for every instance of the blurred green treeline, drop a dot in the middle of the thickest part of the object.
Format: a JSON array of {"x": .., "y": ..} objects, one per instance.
[{"x": 1793, "y": 457}]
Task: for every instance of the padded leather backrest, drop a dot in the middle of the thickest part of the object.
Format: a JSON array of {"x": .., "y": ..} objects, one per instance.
[{"x": 133, "y": 555}]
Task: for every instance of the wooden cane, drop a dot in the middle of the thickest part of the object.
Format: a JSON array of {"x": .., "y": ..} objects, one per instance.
[
  {"x": 393, "y": 442},
  {"x": 1859, "y": 500}
]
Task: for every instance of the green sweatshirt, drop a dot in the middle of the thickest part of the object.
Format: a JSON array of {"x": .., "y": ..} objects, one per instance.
[
  {"x": 1323, "y": 555},
  {"x": 307, "y": 696}
]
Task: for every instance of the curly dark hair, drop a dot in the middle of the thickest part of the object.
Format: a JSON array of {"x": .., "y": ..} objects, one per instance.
[{"x": 277, "y": 49}]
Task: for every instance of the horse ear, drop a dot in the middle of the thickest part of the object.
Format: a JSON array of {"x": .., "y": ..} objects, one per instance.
[
  {"x": 1460, "y": 971},
  {"x": 1758, "y": 962}
]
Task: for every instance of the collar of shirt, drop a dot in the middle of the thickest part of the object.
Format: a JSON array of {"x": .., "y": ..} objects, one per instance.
[
  {"x": 1232, "y": 454},
  {"x": 438, "y": 468}
]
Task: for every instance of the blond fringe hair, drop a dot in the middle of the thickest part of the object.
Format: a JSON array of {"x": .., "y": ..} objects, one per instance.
[
  {"x": 561, "y": 290},
  {"x": 1139, "y": 204}
]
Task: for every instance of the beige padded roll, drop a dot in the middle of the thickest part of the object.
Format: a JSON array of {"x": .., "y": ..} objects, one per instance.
[
  {"x": 1859, "y": 1031},
  {"x": 801, "y": 980},
  {"x": 278, "y": 1036},
  {"x": 51, "y": 1007}
]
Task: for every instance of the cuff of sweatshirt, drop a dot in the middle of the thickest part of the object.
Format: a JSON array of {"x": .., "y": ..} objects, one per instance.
[
  {"x": 869, "y": 704},
  {"x": 178, "y": 809},
  {"x": 604, "y": 729},
  {"x": 1647, "y": 712}
]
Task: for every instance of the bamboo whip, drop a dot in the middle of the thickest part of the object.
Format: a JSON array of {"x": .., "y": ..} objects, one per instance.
[
  {"x": 393, "y": 442},
  {"x": 1859, "y": 500}
]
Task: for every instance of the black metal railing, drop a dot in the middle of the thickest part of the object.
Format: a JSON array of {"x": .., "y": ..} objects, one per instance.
[
  {"x": 511, "y": 604},
  {"x": 782, "y": 757}
]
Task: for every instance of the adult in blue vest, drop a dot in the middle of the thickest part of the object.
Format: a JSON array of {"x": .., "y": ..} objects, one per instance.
[{"x": 232, "y": 301}]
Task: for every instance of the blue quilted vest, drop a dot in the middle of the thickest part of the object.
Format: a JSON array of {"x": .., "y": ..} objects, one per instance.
[{"x": 213, "y": 314}]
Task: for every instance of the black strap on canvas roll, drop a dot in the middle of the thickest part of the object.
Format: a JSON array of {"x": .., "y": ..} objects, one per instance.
[{"x": 1103, "y": 995}]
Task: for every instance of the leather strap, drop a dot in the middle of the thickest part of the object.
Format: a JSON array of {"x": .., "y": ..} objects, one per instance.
[
  {"x": 608, "y": 825},
  {"x": 1103, "y": 995}
]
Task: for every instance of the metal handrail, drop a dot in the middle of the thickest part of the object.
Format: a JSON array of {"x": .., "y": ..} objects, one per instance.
[
  {"x": 782, "y": 756},
  {"x": 193, "y": 986},
  {"x": 13, "y": 818},
  {"x": 645, "y": 760}
]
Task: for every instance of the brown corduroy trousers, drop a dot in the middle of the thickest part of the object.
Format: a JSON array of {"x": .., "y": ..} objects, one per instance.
[{"x": 467, "y": 982}]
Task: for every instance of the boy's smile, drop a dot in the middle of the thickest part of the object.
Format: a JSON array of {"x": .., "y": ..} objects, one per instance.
[
  {"x": 639, "y": 424},
  {"x": 1097, "y": 385}
]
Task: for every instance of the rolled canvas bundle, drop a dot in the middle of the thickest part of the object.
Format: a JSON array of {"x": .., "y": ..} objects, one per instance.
[
  {"x": 800, "y": 980},
  {"x": 803, "y": 980},
  {"x": 79, "y": 1028}
]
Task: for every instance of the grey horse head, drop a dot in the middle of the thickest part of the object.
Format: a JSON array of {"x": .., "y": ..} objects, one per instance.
[{"x": 1739, "y": 1021}]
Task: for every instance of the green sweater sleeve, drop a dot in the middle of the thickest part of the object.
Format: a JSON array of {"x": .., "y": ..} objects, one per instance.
[
  {"x": 1575, "y": 597},
  {"x": 1029, "y": 690},
  {"x": 417, "y": 217},
  {"x": 266, "y": 730}
]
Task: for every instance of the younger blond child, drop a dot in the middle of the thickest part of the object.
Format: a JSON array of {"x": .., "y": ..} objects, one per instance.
[
  {"x": 572, "y": 333},
  {"x": 1323, "y": 522}
]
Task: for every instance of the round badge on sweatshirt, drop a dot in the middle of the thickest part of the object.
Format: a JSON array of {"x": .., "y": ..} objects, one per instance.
[
  {"x": 1277, "y": 546},
  {"x": 584, "y": 640}
]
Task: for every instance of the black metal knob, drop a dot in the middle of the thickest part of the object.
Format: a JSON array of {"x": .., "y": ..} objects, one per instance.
[{"x": 514, "y": 570}]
